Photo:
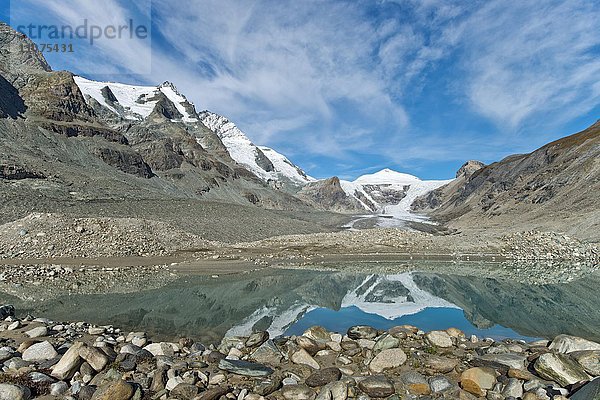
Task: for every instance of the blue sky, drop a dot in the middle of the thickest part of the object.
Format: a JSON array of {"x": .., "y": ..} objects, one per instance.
[{"x": 350, "y": 87}]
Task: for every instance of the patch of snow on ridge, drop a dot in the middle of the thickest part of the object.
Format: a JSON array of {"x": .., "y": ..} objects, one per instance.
[
  {"x": 128, "y": 96},
  {"x": 244, "y": 152},
  {"x": 285, "y": 166},
  {"x": 177, "y": 99},
  {"x": 399, "y": 306},
  {"x": 137, "y": 101}
]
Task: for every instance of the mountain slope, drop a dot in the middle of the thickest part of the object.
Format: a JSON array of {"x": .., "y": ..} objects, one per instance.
[
  {"x": 164, "y": 127},
  {"x": 553, "y": 188},
  {"x": 142, "y": 104},
  {"x": 264, "y": 162},
  {"x": 101, "y": 150}
]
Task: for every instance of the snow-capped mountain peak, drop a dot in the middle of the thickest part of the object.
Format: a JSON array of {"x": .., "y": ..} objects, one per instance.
[
  {"x": 390, "y": 192},
  {"x": 387, "y": 177},
  {"x": 134, "y": 102},
  {"x": 264, "y": 162}
]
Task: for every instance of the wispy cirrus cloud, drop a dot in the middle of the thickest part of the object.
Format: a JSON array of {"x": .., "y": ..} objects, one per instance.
[
  {"x": 526, "y": 59},
  {"x": 114, "y": 54},
  {"x": 355, "y": 83}
]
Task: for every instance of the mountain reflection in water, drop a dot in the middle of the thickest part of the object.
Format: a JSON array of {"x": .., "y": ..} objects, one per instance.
[{"x": 287, "y": 301}]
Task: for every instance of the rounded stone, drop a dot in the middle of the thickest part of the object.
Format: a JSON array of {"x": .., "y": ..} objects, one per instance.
[
  {"x": 440, "y": 364},
  {"x": 14, "y": 392},
  {"x": 117, "y": 390},
  {"x": 310, "y": 345},
  {"x": 317, "y": 333},
  {"x": 439, "y": 339},
  {"x": 387, "y": 359},
  {"x": 303, "y": 358},
  {"x": 86, "y": 393},
  {"x": 439, "y": 384},
  {"x": 245, "y": 368},
  {"x": 385, "y": 342},
  {"x": 184, "y": 391},
  {"x": 40, "y": 352},
  {"x": 37, "y": 332},
  {"x": 324, "y": 376},
  {"x": 377, "y": 386},
  {"x": 478, "y": 380},
  {"x": 362, "y": 332},
  {"x": 560, "y": 368},
  {"x": 59, "y": 388},
  {"x": 298, "y": 392}
]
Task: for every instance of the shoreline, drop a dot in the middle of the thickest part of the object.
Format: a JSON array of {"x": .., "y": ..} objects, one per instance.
[
  {"x": 102, "y": 362},
  {"x": 38, "y": 282}
]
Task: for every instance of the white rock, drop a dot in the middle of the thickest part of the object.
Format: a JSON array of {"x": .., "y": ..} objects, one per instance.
[
  {"x": 439, "y": 339},
  {"x": 303, "y": 358},
  {"x": 387, "y": 359},
  {"x": 173, "y": 382},
  {"x": 40, "y": 352},
  {"x": 568, "y": 344},
  {"x": 216, "y": 379},
  {"x": 162, "y": 349},
  {"x": 37, "y": 332}
]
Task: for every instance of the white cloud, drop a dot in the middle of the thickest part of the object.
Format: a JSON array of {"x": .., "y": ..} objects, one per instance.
[
  {"x": 528, "y": 59},
  {"x": 296, "y": 60},
  {"x": 333, "y": 78},
  {"x": 123, "y": 55}
]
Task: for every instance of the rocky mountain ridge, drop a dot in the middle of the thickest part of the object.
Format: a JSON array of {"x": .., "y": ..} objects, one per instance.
[
  {"x": 68, "y": 138},
  {"x": 151, "y": 135},
  {"x": 155, "y": 133},
  {"x": 553, "y": 188}
]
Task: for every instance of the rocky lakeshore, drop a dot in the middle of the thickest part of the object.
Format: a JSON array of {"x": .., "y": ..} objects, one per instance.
[{"x": 43, "y": 359}]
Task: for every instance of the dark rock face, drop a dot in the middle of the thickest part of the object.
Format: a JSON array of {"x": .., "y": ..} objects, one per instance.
[
  {"x": 329, "y": 195},
  {"x": 15, "y": 172},
  {"x": 263, "y": 161},
  {"x": 78, "y": 130},
  {"x": 126, "y": 160},
  {"x": 165, "y": 109},
  {"x": 11, "y": 104},
  {"x": 55, "y": 96}
]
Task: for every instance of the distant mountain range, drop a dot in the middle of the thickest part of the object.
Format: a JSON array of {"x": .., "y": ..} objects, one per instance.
[
  {"x": 386, "y": 191},
  {"x": 65, "y": 136}
]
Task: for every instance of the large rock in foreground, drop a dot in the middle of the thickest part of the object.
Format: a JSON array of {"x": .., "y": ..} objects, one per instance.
[
  {"x": 478, "y": 380},
  {"x": 568, "y": 344},
  {"x": 560, "y": 368},
  {"x": 14, "y": 392}
]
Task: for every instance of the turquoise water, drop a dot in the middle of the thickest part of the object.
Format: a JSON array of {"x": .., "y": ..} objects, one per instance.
[{"x": 288, "y": 301}]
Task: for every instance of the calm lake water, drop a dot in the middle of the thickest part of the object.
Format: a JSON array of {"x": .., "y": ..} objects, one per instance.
[{"x": 289, "y": 301}]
